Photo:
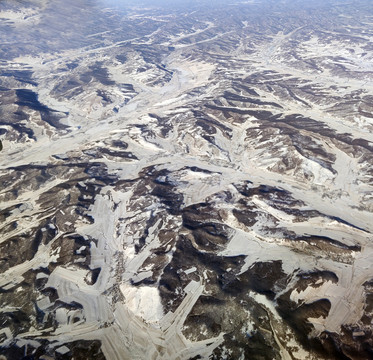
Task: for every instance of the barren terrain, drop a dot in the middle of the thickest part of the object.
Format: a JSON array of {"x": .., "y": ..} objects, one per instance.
[{"x": 190, "y": 180}]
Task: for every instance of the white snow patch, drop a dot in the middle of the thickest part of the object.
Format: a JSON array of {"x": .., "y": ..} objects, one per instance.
[{"x": 144, "y": 302}]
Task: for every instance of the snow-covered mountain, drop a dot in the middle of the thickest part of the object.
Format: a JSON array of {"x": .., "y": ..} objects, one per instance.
[{"x": 186, "y": 180}]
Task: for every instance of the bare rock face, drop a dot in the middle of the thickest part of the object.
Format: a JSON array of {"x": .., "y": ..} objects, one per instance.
[{"x": 186, "y": 180}]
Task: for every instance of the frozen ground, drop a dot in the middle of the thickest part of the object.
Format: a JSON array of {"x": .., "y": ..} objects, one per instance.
[{"x": 183, "y": 182}]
